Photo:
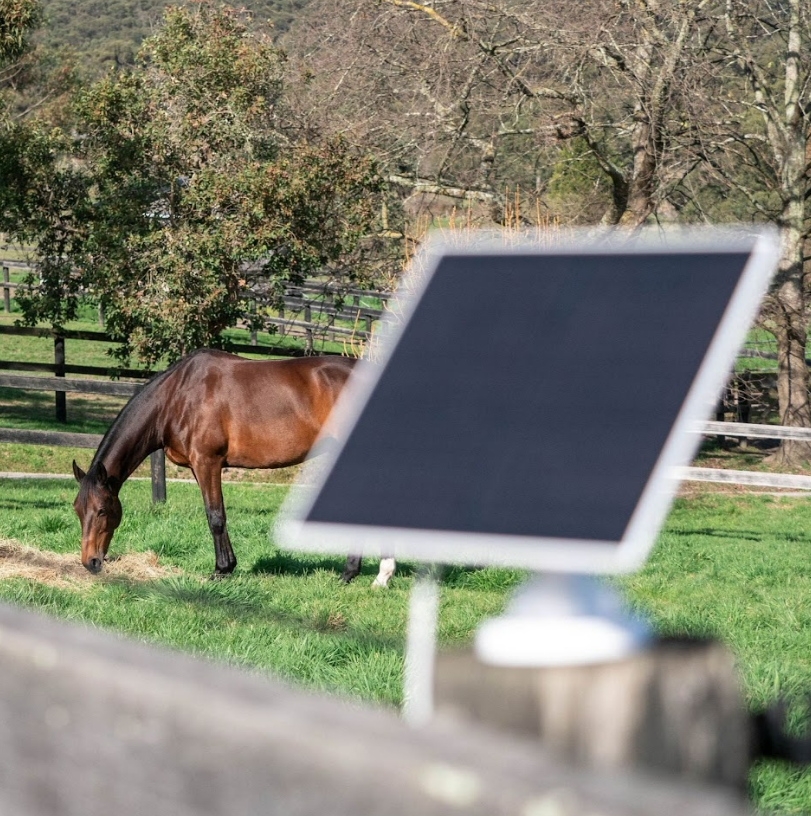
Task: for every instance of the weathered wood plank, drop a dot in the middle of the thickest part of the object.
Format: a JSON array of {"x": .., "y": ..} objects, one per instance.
[
  {"x": 16, "y": 365},
  {"x": 321, "y": 307},
  {"x": 75, "y": 386},
  {"x": 673, "y": 708},
  {"x": 270, "y": 351},
  {"x": 70, "y": 334},
  {"x": 752, "y": 430},
  {"x": 93, "y": 726},
  {"x": 57, "y": 439},
  {"x": 316, "y": 327},
  {"x": 743, "y": 477}
]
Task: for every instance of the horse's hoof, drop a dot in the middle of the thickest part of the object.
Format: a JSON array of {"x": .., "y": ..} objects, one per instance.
[
  {"x": 379, "y": 585},
  {"x": 347, "y": 578},
  {"x": 218, "y": 576}
]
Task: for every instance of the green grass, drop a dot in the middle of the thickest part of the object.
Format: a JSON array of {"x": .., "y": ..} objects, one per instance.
[
  {"x": 738, "y": 569},
  {"x": 730, "y": 567},
  {"x": 283, "y": 613}
]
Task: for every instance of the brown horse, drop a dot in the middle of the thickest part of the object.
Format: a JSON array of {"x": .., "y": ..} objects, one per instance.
[{"x": 208, "y": 411}]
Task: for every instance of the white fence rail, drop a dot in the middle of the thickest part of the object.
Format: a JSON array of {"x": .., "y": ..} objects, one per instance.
[
  {"x": 751, "y": 430},
  {"x": 747, "y": 477}
]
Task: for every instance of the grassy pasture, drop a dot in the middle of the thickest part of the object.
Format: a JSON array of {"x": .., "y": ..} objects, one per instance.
[
  {"x": 282, "y": 613},
  {"x": 735, "y": 567}
]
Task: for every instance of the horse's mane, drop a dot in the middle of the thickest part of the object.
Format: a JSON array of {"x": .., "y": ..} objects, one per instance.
[{"x": 136, "y": 403}]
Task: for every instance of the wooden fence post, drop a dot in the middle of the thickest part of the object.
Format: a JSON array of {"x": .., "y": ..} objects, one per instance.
[
  {"x": 6, "y": 291},
  {"x": 674, "y": 708},
  {"x": 308, "y": 333},
  {"x": 720, "y": 416},
  {"x": 157, "y": 467},
  {"x": 254, "y": 309},
  {"x": 59, "y": 371}
]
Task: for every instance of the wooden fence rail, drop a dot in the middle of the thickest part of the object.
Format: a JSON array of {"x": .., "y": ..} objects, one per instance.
[
  {"x": 294, "y": 300},
  {"x": 93, "y": 725},
  {"x": 59, "y": 367},
  {"x": 752, "y": 430},
  {"x": 785, "y": 481},
  {"x": 60, "y": 439},
  {"x": 57, "y": 439},
  {"x": 120, "y": 389}
]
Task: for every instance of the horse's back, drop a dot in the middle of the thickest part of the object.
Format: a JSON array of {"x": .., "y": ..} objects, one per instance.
[{"x": 255, "y": 413}]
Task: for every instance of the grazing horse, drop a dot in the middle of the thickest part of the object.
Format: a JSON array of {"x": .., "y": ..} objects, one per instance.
[{"x": 208, "y": 411}]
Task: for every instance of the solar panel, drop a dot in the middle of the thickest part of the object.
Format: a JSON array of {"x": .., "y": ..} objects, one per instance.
[{"x": 530, "y": 407}]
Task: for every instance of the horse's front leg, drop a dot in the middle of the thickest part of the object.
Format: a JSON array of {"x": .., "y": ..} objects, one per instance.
[{"x": 209, "y": 476}]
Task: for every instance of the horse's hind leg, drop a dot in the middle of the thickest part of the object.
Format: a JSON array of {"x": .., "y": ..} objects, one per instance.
[
  {"x": 387, "y": 567},
  {"x": 352, "y": 568},
  {"x": 209, "y": 476}
]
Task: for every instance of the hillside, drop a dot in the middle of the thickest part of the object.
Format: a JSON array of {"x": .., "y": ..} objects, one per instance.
[{"x": 101, "y": 32}]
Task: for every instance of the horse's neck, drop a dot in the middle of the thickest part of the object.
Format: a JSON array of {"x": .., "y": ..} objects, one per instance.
[{"x": 131, "y": 440}]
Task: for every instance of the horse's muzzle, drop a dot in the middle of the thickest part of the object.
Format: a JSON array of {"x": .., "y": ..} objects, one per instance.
[{"x": 93, "y": 565}]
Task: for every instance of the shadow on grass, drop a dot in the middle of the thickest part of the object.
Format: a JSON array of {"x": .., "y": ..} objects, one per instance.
[
  {"x": 35, "y": 410},
  {"x": 21, "y": 505},
  {"x": 284, "y": 563},
  {"x": 206, "y": 596},
  {"x": 746, "y": 535}
]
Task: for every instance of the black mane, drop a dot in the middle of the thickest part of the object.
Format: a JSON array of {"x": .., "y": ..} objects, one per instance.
[{"x": 137, "y": 403}]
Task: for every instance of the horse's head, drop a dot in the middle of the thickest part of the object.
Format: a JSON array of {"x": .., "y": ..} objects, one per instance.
[{"x": 99, "y": 512}]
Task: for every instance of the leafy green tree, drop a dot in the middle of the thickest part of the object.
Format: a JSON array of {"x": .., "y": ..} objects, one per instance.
[
  {"x": 187, "y": 169},
  {"x": 18, "y": 18},
  {"x": 38, "y": 193}
]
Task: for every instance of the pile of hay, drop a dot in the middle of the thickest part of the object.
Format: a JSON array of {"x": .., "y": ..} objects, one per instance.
[{"x": 55, "y": 569}]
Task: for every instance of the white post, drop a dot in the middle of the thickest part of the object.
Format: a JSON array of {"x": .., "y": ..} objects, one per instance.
[{"x": 418, "y": 681}]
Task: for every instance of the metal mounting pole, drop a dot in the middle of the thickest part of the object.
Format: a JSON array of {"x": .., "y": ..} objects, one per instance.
[{"x": 418, "y": 680}]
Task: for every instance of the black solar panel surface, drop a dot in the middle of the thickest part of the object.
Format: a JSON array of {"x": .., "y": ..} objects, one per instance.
[{"x": 530, "y": 395}]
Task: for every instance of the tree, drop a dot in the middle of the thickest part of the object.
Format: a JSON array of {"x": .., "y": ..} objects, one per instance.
[
  {"x": 18, "y": 18},
  {"x": 185, "y": 169},
  {"x": 470, "y": 94},
  {"x": 36, "y": 193},
  {"x": 762, "y": 154}
]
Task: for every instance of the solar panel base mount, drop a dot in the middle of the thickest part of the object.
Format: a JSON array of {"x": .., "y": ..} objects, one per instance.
[{"x": 562, "y": 620}]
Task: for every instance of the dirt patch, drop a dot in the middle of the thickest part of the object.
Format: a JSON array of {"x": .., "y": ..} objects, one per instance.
[{"x": 56, "y": 569}]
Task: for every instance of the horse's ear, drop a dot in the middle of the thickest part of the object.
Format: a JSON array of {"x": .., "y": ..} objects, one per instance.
[
  {"x": 101, "y": 474},
  {"x": 78, "y": 472}
]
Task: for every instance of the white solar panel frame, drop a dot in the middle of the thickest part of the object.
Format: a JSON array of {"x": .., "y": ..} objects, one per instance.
[{"x": 542, "y": 553}]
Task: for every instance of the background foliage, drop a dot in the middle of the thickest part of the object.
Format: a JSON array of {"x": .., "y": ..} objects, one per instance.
[{"x": 178, "y": 174}]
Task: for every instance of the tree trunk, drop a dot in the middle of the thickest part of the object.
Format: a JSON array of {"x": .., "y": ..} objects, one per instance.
[
  {"x": 787, "y": 311},
  {"x": 788, "y": 296},
  {"x": 640, "y": 203}
]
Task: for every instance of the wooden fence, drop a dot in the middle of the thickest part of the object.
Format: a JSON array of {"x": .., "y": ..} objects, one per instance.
[
  {"x": 308, "y": 310},
  {"x": 60, "y": 367},
  {"x": 747, "y": 477},
  {"x": 93, "y": 725},
  {"x": 60, "y": 385}
]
